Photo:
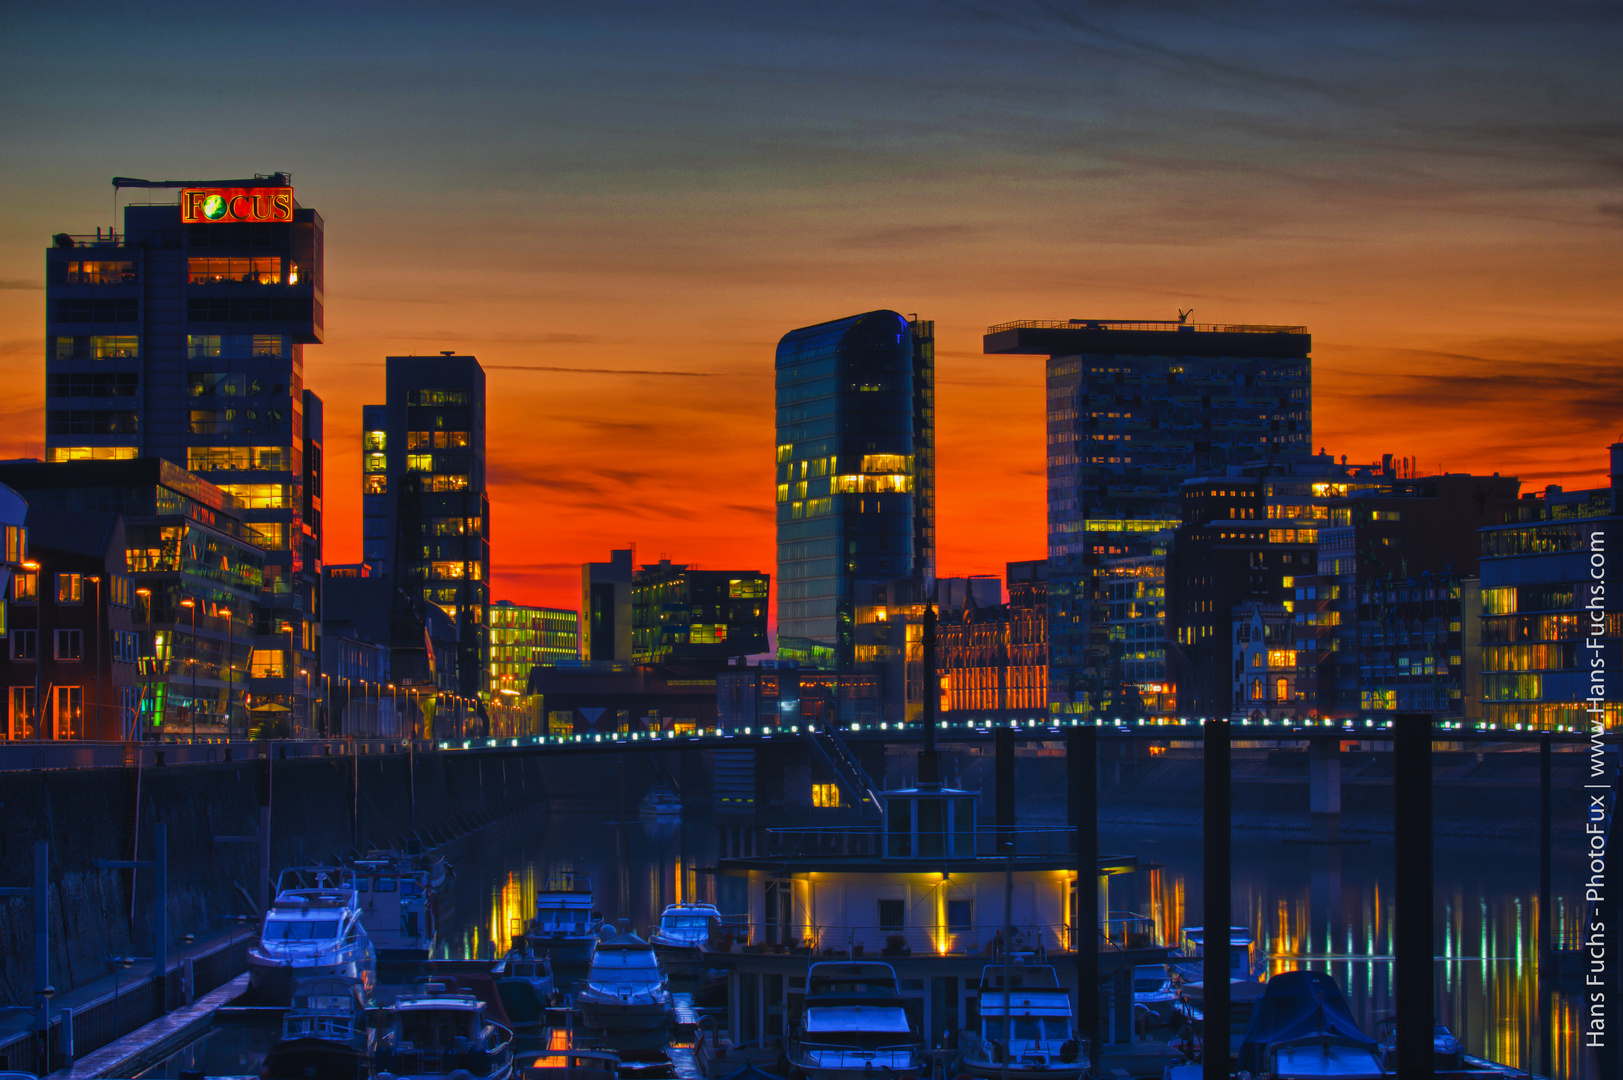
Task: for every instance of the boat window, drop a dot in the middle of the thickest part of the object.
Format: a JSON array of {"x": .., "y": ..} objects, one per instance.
[
  {"x": 387, "y": 884},
  {"x": 685, "y": 922},
  {"x": 1031, "y": 1028},
  {"x": 299, "y": 929},
  {"x": 408, "y": 887},
  {"x": 363, "y": 884}
]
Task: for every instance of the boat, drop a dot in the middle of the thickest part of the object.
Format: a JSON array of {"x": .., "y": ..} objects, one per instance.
[
  {"x": 1155, "y": 992},
  {"x": 524, "y": 963},
  {"x": 1244, "y": 962},
  {"x": 662, "y": 803},
  {"x": 565, "y": 922},
  {"x": 683, "y": 930},
  {"x": 437, "y": 1032},
  {"x": 1026, "y": 1028},
  {"x": 624, "y": 991},
  {"x": 397, "y": 904},
  {"x": 1447, "y": 1051},
  {"x": 324, "y": 1034},
  {"x": 314, "y": 927},
  {"x": 525, "y": 985},
  {"x": 569, "y": 1064},
  {"x": 853, "y": 1024},
  {"x": 1302, "y": 1028}
]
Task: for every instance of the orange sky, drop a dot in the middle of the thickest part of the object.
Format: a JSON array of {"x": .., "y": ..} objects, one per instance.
[{"x": 1438, "y": 201}]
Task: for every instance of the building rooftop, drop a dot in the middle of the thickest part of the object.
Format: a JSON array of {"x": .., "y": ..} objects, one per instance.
[{"x": 1064, "y": 337}]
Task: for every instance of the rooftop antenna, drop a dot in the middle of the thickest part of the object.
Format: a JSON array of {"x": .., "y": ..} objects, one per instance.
[{"x": 1183, "y": 316}]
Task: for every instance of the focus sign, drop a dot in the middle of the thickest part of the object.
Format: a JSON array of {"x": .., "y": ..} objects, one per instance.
[{"x": 261, "y": 204}]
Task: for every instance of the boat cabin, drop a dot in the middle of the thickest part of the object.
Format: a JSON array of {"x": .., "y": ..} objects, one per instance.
[{"x": 928, "y": 891}]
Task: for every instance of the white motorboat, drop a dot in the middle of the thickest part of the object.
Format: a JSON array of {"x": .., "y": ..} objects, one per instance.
[
  {"x": 313, "y": 928},
  {"x": 435, "y": 1033},
  {"x": 1245, "y": 963},
  {"x": 683, "y": 930},
  {"x": 625, "y": 989},
  {"x": 397, "y": 904},
  {"x": 853, "y": 1024},
  {"x": 565, "y": 923},
  {"x": 1154, "y": 991},
  {"x": 1025, "y": 1027},
  {"x": 662, "y": 803}
]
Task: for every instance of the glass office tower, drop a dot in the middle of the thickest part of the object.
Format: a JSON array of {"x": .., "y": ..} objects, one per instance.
[
  {"x": 1133, "y": 410},
  {"x": 855, "y": 473},
  {"x": 183, "y": 338},
  {"x": 425, "y": 510}
]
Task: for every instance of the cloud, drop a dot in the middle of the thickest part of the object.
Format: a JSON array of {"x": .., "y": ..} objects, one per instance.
[
  {"x": 20, "y": 283},
  {"x": 600, "y": 371}
]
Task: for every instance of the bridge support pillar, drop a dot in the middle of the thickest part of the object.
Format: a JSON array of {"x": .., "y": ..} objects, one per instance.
[
  {"x": 1413, "y": 970},
  {"x": 1324, "y": 789}
]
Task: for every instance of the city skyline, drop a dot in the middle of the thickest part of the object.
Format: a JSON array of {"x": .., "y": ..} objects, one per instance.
[{"x": 604, "y": 193}]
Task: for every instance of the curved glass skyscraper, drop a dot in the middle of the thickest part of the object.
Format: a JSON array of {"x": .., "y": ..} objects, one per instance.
[{"x": 855, "y": 473}]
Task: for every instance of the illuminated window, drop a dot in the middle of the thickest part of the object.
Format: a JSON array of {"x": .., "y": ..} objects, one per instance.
[
  {"x": 216, "y": 384},
  {"x": 445, "y": 483},
  {"x": 783, "y": 492},
  {"x": 419, "y": 462},
  {"x": 258, "y": 496},
  {"x": 825, "y": 795},
  {"x": 374, "y": 440},
  {"x": 1256, "y": 689},
  {"x": 747, "y": 588},
  {"x": 436, "y": 397},
  {"x": 706, "y": 634},
  {"x": 269, "y": 535},
  {"x": 238, "y": 458},
  {"x": 268, "y": 664},
  {"x": 1499, "y": 601},
  {"x": 1281, "y": 658},
  {"x": 887, "y": 463},
  {"x": 202, "y": 346},
  {"x": 69, "y": 588},
  {"x": 419, "y": 440},
  {"x": 256, "y": 270},
  {"x": 374, "y": 463},
  {"x": 111, "y": 347},
  {"x": 1282, "y": 690},
  {"x": 90, "y": 453},
  {"x": 374, "y": 485},
  {"x": 25, "y": 586},
  {"x": 785, "y": 452},
  {"x": 96, "y": 273}
]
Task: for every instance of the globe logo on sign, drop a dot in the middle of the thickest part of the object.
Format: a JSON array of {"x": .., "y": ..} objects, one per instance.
[{"x": 214, "y": 208}]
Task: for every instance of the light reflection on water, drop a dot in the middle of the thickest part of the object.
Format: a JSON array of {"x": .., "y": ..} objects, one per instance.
[{"x": 1330, "y": 908}]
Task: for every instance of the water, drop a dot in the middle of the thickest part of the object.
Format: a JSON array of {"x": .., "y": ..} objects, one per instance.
[{"x": 1329, "y": 908}]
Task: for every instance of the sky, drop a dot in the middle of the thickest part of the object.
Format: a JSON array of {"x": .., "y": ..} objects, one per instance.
[{"x": 620, "y": 208}]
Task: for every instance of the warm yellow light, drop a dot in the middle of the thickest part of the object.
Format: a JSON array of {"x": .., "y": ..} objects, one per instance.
[{"x": 188, "y": 603}]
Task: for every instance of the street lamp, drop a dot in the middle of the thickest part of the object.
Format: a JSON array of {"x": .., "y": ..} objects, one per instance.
[{"x": 188, "y": 603}]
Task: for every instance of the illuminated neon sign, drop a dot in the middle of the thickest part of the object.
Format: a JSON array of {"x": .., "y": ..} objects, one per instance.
[{"x": 220, "y": 205}]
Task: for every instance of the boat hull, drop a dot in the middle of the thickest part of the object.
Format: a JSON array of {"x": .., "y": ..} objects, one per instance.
[
  {"x": 852, "y": 1067},
  {"x": 1058, "y": 1070},
  {"x": 315, "y": 1059},
  {"x": 618, "y": 1016},
  {"x": 272, "y": 984}
]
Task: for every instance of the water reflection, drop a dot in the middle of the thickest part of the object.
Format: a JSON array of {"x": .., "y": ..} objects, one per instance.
[{"x": 1329, "y": 908}]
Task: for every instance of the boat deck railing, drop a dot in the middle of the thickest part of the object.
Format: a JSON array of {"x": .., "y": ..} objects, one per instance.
[
  {"x": 301, "y": 1024},
  {"x": 1031, "y": 941},
  {"x": 835, "y": 1056}
]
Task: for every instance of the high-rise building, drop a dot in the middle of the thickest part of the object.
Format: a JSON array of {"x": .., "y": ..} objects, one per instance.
[
  {"x": 855, "y": 473},
  {"x": 683, "y": 615},
  {"x": 605, "y": 609},
  {"x": 183, "y": 338},
  {"x": 425, "y": 510},
  {"x": 1133, "y": 409}
]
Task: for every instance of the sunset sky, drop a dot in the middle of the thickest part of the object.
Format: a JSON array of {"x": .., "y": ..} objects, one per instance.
[{"x": 619, "y": 209}]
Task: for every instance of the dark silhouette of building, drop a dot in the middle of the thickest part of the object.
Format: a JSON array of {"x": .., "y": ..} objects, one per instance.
[
  {"x": 183, "y": 338},
  {"x": 855, "y": 473},
  {"x": 1135, "y": 408},
  {"x": 605, "y": 608},
  {"x": 426, "y": 511}
]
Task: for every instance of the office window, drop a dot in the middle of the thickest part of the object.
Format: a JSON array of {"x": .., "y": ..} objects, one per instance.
[
  {"x": 442, "y": 483},
  {"x": 24, "y": 644},
  {"x": 420, "y": 463},
  {"x": 269, "y": 535},
  {"x": 258, "y": 496},
  {"x": 70, "y": 588},
  {"x": 203, "y": 345},
  {"x": 25, "y": 587},
  {"x": 268, "y": 664},
  {"x": 258, "y": 270},
  {"x": 114, "y": 347},
  {"x": 70, "y": 645}
]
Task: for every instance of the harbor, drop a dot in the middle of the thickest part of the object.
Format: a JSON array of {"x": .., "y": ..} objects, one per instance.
[{"x": 934, "y": 938}]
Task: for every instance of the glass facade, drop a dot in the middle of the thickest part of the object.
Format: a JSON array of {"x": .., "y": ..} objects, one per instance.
[
  {"x": 855, "y": 472},
  {"x": 1133, "y": 409},
  {"x": 186, "y": 342},
  {"x": 524, "y": 637},
  {"x": 681, "y": 614}
]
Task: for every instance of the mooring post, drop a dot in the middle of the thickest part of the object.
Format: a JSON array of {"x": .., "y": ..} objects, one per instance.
[
  {"x": 1003, "y": 750},
  {"x": 1413, "y": 937},
  {"x": 1546, "y": 922},
  {"x": 1216, "y": 899},
  {"x": 1082, "y": 757}
]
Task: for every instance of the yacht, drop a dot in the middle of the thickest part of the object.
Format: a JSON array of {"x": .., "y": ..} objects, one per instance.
[
  {"x": 565, "y": 922},
  {"x": 1026, "y": 1027},
  {"x": 683, "y": 930},
  {"x": 1302, "y": 1029},
  {"x": 853, "y": 1024},
  {"x": 324, "y": 1033},
  {"x": 524, "y": 963},
  {"x": 525, "y": 985},
  {"x": 625, "y": 989},
  {"x": 435, "y": 1032},
  {"x": 397, "y": 904},
  {"x": 314, "y": 927},
  {"x": 662, "y": 803}
]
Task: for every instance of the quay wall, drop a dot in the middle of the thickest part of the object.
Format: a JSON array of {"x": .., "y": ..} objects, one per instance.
[{"x": 321, "y": 808}]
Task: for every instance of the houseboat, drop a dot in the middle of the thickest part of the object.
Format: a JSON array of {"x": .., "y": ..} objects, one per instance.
[
  {"x": 397, "y": 904},
  {"x": 314, "y": 927},
  {"x": 625, "y": 992},
  {"x": 1026, "y": 1028},
  {"x": 854, "y": 1024},
  {"x": 436, "y": 1032},
  {"x": 566, "y": 921},
  {"x": 925, "y": 891}
]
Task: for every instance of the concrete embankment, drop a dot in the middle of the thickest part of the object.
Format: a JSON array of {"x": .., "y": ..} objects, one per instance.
[{"x": 320, "y": 808}]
